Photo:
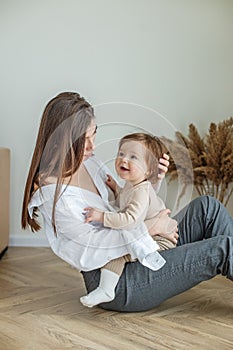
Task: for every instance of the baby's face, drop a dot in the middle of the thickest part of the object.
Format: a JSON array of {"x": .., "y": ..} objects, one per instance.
[{"x": 130, "y": 163}]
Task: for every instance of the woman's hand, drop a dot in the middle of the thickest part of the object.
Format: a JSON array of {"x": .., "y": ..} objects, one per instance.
[
  {"x": 171, "y": 236},
  {"x": 163, "y": 225},
  {"x": 163, "y": 166},
  {"x": 93, "y": 214}
]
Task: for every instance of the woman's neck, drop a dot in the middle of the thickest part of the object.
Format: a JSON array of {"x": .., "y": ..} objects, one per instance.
[{"x": 83, "y": 180}]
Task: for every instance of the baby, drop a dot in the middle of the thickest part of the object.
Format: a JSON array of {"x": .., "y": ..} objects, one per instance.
[{"x": 136, "y": 163}]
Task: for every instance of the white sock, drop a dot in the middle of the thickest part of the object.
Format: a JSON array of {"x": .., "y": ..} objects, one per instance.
[
  {"x": 154, "y": 261},
  {"x": 105, "y": 292}
]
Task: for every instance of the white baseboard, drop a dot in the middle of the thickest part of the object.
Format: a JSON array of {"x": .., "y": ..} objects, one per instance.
[{"x": 17, "y": 240}]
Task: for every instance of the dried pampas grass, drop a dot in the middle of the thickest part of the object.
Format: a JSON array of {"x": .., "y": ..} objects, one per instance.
[{"x": 206, "y": 162}]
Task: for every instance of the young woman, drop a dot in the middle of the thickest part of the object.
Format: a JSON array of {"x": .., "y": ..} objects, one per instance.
[{"x": 65, "y": 177}]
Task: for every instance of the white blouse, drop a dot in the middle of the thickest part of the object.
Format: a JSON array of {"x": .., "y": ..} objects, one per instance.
[{"x": 87, "y": 246}]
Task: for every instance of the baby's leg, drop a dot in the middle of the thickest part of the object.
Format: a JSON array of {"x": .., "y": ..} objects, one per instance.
[
  {"x": 164, "y": 243},
  {"x": 109, "y": 277}
]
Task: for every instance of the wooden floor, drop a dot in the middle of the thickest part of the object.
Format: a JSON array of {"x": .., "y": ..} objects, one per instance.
[{"x": 40, "y": 310}]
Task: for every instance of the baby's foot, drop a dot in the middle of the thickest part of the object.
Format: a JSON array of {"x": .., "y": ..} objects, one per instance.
[
  {"x": 154, "y": 261},
  {"x": 96, "y": 297}
]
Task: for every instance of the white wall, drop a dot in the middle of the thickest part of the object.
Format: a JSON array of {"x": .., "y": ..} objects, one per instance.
[{"x": 171, "y": 56}]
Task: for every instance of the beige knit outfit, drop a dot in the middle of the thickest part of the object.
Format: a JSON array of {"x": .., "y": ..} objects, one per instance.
[{"x": 135, "y": 204}]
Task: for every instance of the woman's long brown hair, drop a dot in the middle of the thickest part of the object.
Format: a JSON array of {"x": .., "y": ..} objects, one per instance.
[{"x": 59, "y": 148}]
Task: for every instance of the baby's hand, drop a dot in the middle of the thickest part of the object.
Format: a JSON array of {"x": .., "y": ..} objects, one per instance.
[
  {"x": 93, "y": 214},
  {"x": 110, "y": 182}
]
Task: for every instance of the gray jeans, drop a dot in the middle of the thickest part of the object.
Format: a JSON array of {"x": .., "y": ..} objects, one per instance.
[{"x": 204, "y": 250}]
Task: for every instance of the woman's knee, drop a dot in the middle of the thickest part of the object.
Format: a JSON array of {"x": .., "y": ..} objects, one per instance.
[{"x": 205, "y": 201}]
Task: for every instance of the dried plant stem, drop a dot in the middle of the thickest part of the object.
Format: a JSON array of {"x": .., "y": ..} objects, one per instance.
[
  {"x": 228, "y": 197},
  {"x": 199, "y": 190},
  {"x": 211, "y": 159}
]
